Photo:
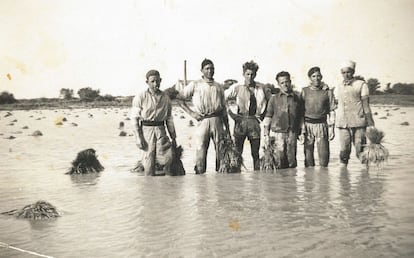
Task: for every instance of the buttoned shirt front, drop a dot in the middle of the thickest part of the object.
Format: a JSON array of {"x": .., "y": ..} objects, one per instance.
[
  {"x": 207, "y": 97},
  {"x": 242, "y": 93},
  {"x": 150, "y": 106},
  {"x": 285, "y": 111}
]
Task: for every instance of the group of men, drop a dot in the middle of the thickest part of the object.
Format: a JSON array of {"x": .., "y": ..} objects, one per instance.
[{"x": 285, "y": 117}]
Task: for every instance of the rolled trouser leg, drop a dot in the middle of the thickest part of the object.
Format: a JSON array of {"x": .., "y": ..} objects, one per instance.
[
  {"x": 148, "y": 160},
  {"x": 255, "y": 146},
  {"x": 291, "y": 149},
  {"x": 360, "y": 140},
  {"x": 323, "y": 151},
  {"x": 164, "y": 150},
  {"x": 345, "y": 144},
  {"x": 203, "y": 140},
  {"x": 309, "y": 150}
]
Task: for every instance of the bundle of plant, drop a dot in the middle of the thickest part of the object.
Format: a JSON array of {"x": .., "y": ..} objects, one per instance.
[
  {"x": 37, "y": 211},
  {"x": 270, "y": 161},
  {"x": 230, "y": 158},
  {"x": 86, "y": 162},
  {"x": 177, "y": 167},
  {"x": 171, "y": 92},
  {"x": 374, "y": 153}
]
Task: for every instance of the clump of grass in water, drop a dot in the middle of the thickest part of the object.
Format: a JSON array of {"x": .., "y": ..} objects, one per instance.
[
  {"x": 86, "y": 162},
  {"x": 270, "y": 161},
  {"x": 36, "y": 211},
  {"x": 230, "y": 159},
  {"x": 374, "y": 153}
]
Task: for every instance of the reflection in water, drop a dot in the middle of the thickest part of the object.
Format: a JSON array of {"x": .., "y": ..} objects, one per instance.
[
  {"x": 85, "y": 179},
  {"x": 302, "y": 212}
]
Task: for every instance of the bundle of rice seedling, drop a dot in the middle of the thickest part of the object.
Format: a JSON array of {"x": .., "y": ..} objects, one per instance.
[
  {"x": 230, "y": 158},
  {"x": 86, "y": 162},
  {"x": 36, "y": 211},
  {"x": 177, "y": 167},
  {"x": 374, "y": 152},
  {"x": 270, "y": 161},
  {"x": 139, "y": 167}
]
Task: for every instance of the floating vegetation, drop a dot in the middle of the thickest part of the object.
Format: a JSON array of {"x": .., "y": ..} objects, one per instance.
[
  {"x": 121, "y": 125},
  {"x": 11, "y": 137},
  {"x": 374, "y": 153},
  {"x": 190, "y": 123},
  {"x": 8, "y": 114},
  {"x": 37, "y": 133},
  {"x": 74, "y": 124},
  {"x": 383, "y": 117},
  {"x": 182, "y": 117},
  {"x": 122, "y": 133},
  {"x": 86, "y": 162},
  {"x": 230, "y": 158},
  {"x": 37, "y": 211},
  {"x": 270, "y": 161},
  {"x": 405, "y": 123},
  {"x": 25, "y": 127}
]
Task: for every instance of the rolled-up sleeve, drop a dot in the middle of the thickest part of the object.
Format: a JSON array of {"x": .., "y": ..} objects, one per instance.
[
  {"x": 364, "y": 90},
  {"x": 135, "y": 110},
  {"x": 188, "y": 90}
]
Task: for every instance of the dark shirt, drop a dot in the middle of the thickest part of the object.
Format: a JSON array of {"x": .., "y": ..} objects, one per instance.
[
  {"x": 318, "y": 102},
  {"x": 286, "y": 112}
]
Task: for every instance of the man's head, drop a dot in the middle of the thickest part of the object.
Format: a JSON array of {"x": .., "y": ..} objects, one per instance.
[
  {"x": 207, "y": 68},
  {"x": 348, "y": 70},
  {"x": 249, "y": 72},
  {"x": 284, "y": 82},
  {"x": 315, "y": 76},
  {"x": 153, "y": 80}
]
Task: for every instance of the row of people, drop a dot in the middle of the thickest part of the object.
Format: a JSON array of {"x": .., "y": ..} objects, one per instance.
[{"x": 284, "y": 116}]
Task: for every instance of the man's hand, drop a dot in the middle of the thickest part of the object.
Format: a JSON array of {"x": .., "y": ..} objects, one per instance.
[
  {"x": 141, "y": 144},
  {"x": 331, "y": 132},
  {"x": 301, "y": 138}
]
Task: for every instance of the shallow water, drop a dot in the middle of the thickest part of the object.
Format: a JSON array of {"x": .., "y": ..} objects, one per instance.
[{"x": 292, "y": 213}]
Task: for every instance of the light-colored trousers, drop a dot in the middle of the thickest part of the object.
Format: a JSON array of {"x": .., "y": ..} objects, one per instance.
[
  {"x": 159, "y": 149},
  {"x": 208, "y": 128},
  {"x": 347, "y": 136},
  {"x": 316, "y": 133}
]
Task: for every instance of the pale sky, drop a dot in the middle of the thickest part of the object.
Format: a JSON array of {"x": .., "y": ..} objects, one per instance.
[{"x": 47, "y": 45}]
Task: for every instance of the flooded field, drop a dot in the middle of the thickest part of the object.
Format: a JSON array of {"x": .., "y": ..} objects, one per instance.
[{"x": 300, "y": 212}]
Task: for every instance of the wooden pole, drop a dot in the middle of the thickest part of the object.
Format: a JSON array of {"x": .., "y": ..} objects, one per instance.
[{"x": 185, "y": 73}]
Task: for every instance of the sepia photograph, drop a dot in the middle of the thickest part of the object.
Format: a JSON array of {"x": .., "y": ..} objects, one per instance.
[{"x": 195, "y": 128}]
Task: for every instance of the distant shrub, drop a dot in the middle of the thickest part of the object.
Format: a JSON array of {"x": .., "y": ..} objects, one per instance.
[
  {"x": 7, "y": 98},
  {"x": 403, "y": 88},
  {"x": 88, "y": 94}
]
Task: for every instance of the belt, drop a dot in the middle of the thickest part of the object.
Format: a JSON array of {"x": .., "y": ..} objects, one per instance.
[
  {"x": 215, "y": 114},
  {"x": 315, "y": 120},
  {"x": 152, "y": 123}
]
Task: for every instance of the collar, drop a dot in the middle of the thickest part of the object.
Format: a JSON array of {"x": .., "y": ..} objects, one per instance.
[
  {"x": 348, "y": 83},
  {"x": 281, "y": 92},
  {"x": 323, "y": 86},
  {"x": 208, "y": 81},
  {"x": 251, "y": 86},
  {"x": 157, "y": 93}
]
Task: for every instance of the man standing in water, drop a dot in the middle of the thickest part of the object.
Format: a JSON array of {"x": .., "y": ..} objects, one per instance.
[
  {"x": 353, "y": 113},
  {"x": 283, "y": 121},
  {"x": 319, "y": 104},
  {"x": 150, "y": 112},
  {"x": 251, "y": 105},
  {"x": 210, "y": 110}
]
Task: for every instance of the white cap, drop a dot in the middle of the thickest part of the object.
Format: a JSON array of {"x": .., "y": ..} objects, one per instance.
[{"x": 348, "y": 64}]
